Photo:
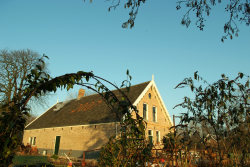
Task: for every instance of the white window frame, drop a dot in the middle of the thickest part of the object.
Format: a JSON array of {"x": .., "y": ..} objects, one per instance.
[
  {"x": 146, "y": 110},
  {"x": 152, "y": 134},
  {"x": 155, "y": 113},
  {"x": 159, "y": 136},
  {"x": 32, "y": 141}
]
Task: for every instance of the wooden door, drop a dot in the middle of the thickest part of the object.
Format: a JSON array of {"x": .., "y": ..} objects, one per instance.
[{"x": 57, "y": 145}]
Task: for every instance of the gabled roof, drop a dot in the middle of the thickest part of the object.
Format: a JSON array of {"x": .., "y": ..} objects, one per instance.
[
  {"x": 86, "y": 110},
  {"x": 152, "y": 84}
]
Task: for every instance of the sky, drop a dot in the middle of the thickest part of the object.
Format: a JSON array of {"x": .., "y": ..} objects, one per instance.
[{"x": 84, "y": 36}]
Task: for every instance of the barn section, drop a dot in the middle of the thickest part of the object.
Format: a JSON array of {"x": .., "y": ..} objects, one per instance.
[
  {"x": 86, "y": 123},
  {"x": 71, "y": 140},
  {"x": 82, "y": 124}
]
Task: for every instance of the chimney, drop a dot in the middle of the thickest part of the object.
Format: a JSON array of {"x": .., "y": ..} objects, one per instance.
[{"x": 80, "y": 93}]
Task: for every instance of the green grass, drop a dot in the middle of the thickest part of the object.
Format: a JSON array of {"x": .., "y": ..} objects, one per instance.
[{"x": 31, "y": 160}]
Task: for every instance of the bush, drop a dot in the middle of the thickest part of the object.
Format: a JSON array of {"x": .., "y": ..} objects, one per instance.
[{"x": 54, "y": 156}]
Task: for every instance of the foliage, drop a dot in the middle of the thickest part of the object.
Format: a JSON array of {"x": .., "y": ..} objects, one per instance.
[
  {"x": 170, "y": 146},
  {"x": 130, "y": 148},
  {"x": 54, "y": 156},
  {"x": 15, "y": 66},
  {"x": 30, "y": 118},
  {"x": 38, "y": 81},
  {"x": 224, "y": 107},
  {"x": 238, "y": 11},
  {"x": 169, "y": 141}
]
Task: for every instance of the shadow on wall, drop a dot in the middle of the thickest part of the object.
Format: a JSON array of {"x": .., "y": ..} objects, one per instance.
[
  {"x": 96, "y": 137},
  {"x": 100, "y": 137}
]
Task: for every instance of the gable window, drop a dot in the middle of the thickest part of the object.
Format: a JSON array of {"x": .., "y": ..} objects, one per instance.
[
  {"x": 150, "y": 136},
  {"x": 158, "y": 137},
  {"x": 149, "y": 95},
  {"x": 145, "y": 111},
  {"x": 154, "y": 114}
]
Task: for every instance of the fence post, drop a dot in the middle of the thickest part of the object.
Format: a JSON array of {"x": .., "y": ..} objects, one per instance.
[{"x": 83, "y": 159}]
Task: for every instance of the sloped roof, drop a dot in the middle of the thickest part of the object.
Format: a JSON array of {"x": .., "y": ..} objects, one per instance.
[{"x": 86, "y": 110}]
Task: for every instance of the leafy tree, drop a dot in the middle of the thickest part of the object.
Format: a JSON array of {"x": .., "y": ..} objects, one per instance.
[
  {"x": 130, "y": 148},
  {"x": 30, "y": 118},
  {"x": 171, "y": 145},
  {"x": 238, "y": 11},
  {"x": 224, "y": 107},
  {"x": 38, "y": 82},
  {"x": 14, "y": 68}
]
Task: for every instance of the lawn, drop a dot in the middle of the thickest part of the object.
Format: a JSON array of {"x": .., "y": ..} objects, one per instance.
[{"x": 29, "y": 160}]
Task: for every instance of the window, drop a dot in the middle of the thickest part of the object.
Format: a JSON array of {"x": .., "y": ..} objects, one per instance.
[
  {"x": 149, "y": 95},
  {"x": 154, "y": 114},
  {"x": 158, "y": 137},
  {"x": 150, "y": 136},
  {"x": 32, "y": 141},
  {"x": 145, "y": 111}
]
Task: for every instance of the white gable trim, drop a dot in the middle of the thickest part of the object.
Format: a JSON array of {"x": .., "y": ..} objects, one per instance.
[
  {"x": 152, "y": 83},
  {"x": 40, "y": 115},
  {"x": 143, "y": 93},
  {"x": 167, "y": 114}
]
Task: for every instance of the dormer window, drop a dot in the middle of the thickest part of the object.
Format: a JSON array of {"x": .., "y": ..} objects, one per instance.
[{"x": 145, "y": 111}]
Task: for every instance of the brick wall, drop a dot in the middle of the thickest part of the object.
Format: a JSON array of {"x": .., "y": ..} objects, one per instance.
[
  {"x": 163, "y": 123},
  {"x": 82, "y": 138}
]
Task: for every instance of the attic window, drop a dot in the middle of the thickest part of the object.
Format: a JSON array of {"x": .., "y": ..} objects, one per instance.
[{"x": 149, "y": 95}]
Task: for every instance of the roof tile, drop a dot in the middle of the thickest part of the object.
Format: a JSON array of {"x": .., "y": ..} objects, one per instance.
[{"x": 86, "y": 110}]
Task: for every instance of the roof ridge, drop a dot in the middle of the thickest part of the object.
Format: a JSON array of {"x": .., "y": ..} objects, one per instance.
[{"x": 110, "y": 90}]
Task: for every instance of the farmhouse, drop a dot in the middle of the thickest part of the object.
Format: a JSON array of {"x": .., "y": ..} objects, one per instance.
[{"x": 86, "y": 123}]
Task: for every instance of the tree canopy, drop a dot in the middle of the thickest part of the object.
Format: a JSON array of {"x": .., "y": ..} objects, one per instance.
[
  {"x": 14, "y": 68},
  {"x": 223, "y": 107},
  {"x": 38, "y": 81},
  {"x": 238, "y": 12}
]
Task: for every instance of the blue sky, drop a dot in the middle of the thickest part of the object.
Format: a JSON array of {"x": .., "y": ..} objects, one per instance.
[{"x": 79, "y": 35}]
